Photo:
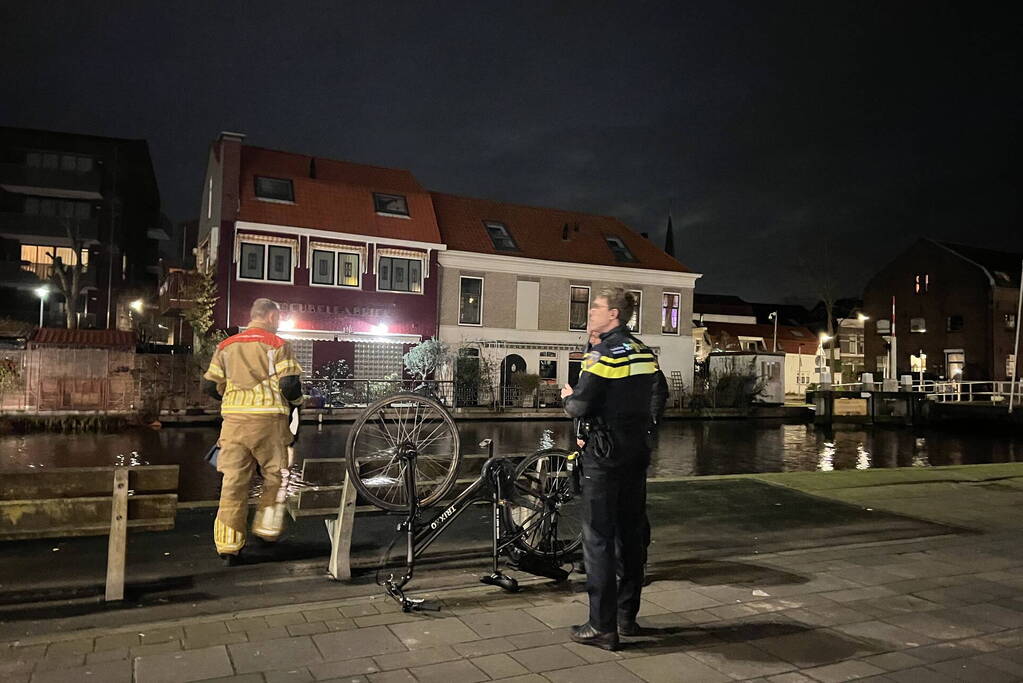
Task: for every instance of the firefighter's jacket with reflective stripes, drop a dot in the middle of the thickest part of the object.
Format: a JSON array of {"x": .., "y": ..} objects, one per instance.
[
  {"x": 248, "y": 367},
  {"x": 621, "y": 383}
]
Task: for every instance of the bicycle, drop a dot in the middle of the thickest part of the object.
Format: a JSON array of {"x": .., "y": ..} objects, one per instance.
[{"x": 403, "y": 454}]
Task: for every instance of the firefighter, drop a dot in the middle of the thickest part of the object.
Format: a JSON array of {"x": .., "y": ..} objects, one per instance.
[
  {"x": 256, "y": 377},
  {"x": 620, "y": 396}
]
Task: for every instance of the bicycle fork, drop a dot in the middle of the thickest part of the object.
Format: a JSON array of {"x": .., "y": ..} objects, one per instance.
[{"x": 394, "y": 587}]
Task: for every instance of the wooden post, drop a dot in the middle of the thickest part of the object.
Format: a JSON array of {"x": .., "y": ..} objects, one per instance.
[
  {"x": 118, "y": 536},
  {"x": 340, "y": 530}
]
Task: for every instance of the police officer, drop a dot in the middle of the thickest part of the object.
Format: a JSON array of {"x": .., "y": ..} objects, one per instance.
[
  {"x": 620, "y": 395},
  {"x": 256, "y": 377}
]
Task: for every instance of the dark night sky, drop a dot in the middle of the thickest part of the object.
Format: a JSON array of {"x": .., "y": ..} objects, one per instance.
[{"x": 772, "y": 131}]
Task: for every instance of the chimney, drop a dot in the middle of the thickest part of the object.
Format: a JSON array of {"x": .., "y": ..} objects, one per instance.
[{"x": 229, "y": 183}]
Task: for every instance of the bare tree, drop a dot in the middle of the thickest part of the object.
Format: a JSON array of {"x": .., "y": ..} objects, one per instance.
[{"x": 68, "y": 277}]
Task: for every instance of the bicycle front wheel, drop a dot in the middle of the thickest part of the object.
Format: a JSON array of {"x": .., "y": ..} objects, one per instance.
[
  {"x": 544, "y": 507},
  {"x": 397, "y": 423}
]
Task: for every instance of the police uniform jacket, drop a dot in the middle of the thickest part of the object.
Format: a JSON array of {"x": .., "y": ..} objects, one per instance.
[{"x": 621, "y": 384}]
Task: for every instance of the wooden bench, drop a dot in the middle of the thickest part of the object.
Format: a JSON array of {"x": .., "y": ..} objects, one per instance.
[{"x": 89, "y": 501}]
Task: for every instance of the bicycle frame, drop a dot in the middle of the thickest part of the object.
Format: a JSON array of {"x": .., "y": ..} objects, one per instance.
[{"x": 491, "y": 486}]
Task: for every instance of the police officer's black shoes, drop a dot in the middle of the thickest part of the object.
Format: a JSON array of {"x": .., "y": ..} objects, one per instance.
[
  {"x": 629, "y": 628},
  {"x": 587, "y": 635}
]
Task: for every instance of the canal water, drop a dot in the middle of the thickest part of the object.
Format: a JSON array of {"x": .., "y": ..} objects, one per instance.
[{"x": 685, "y": 448}]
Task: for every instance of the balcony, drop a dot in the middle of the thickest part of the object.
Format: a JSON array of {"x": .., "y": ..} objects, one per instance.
[
  {"x": 27, "y": 227},
  {"x": 51, "y": 182},
  {"x": 175, "y": 292}
]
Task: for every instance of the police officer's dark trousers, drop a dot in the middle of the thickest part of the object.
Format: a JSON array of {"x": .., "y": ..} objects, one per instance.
[{"x": 614, "y": 541}]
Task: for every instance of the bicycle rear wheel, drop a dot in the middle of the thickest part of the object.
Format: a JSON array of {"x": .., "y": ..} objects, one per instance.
[
  {"x": 544, "y": 506},
  {"x": 404, "y": 421}
]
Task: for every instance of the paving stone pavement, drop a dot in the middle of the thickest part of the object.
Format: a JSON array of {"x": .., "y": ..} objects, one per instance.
[
  {"x": 780, "y": 617},
  {"x": 936, "y": 608}
]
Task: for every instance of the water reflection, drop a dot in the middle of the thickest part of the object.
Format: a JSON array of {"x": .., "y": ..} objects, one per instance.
[{"x": 685, "y": 448}]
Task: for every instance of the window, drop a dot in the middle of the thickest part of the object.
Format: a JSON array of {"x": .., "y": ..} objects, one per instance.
[
  {"x": 500, "y": 236},
  {"x": 1010, "y": 366},
  {"x": 1010, "y": 321},
  {"x": 39, "y": 254},
  {"x": 276, "y": 189},
  {"x": 579, "y": 308},
  {"x": 399, "y": 274},
  {"x": 76, "y": 163},
  {"x": 750, "y": 344},
  {"x": 618, "y": 248},
  {"x": 272, "y": 262},
  {"x": 669, "y": 312},
  {"x": 884, "y": 326},
  {"x": 60, "y": 208},
  {"x": 917, "y": 325},
  {"x": 348, "y": 273},
  {"x": 954, "y": 323},
  {"x": 393, "y": 204},
  {"x": 470, "y": 301},
  {"x": 633, "y": 324},
  {"x": 335, "y": 268},
  {"x": 279, "y": 266},
  {"x": 250, "y": 266},
  {"x": 921, "y": 281},
  {"x": 955, "y": 362},
  {"x": 323, "y": 267},
  {"x": 918, "y": 363},
  {"x": 881, "y": 364},
  {"x": 548, "y": 369}
]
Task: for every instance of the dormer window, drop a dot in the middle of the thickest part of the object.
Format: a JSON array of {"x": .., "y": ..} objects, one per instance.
[
  {"x": 390, "y": 204},
  {"x": 500, "y": 236},
  {"x": 275, "y": 189},
  {"x": 618, "y": 248}
]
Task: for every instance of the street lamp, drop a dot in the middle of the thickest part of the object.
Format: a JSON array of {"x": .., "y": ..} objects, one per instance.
[
  {"x": 774, "y": 316},
  {"x": 42, "y": 293},
  {"x": 138, "y": 305}
]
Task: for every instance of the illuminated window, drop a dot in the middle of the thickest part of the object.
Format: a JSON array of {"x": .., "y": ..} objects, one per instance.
[
  {"x": 917, "y": 325},
  {"x": 918, "y": 363},
  {"x": 921, "y": 282},
  {"x": 579, "y": 306},
  {"x": 470, "y": 301},
  {"x": 633, "y": 324},
  {"x": 335, "y": 268},
  {"x": 669, "y": 312}
]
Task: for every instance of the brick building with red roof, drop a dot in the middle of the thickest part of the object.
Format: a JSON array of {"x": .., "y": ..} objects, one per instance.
[
  {"x": 349, "y": 250},
  {"x": 517, "y": 282}
]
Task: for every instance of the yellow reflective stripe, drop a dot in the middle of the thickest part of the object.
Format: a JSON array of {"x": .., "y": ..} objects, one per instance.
[
  {"x": 608, "y": 371},
  {"x": 237, "y": 410},
  {"x": 288, "y": 367},
  {"x": 215, "y": 372},
  {"x": 621, "y": 371},
  {"x": 227, "y": 540}
]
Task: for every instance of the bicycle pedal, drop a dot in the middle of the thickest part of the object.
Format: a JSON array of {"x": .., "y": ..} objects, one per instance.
[{"x": 500, "y": 580}]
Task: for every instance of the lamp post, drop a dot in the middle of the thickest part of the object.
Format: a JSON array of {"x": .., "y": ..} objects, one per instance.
[
  {"x": 774, "y": 316},
  {"x": 42, "y": 293}
]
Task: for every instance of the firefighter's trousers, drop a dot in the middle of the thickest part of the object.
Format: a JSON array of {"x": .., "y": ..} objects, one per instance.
[{"x": 248, "y": 442}]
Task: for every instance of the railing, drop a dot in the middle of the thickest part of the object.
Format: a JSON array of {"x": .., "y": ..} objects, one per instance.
[
  {"x": 950, "y": 391},
  {"x": 352, "y": 393}
]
